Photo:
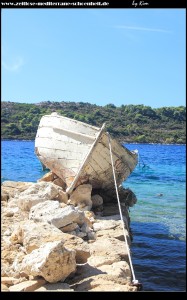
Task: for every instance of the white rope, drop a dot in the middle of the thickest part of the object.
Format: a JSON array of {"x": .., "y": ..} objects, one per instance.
[{"x": 121, "y": 216}]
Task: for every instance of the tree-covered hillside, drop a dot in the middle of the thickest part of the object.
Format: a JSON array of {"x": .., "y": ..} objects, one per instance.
[{"x": 128, "y": 123}]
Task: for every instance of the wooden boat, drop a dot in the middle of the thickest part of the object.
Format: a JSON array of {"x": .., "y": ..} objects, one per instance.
[{"x": 79, "y": 153}]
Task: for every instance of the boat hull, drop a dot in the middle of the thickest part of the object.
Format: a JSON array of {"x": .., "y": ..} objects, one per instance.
[{"x": 79, "y": 153}]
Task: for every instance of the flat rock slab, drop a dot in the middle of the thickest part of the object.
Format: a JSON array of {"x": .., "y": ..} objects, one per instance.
[
  {"x": 105, "y": 224},
  {"x": 9, "y": 280},
  {"x": 27, "y": 286},
  {"x": 4, "y": 288},
  {"x": 55, "y": 287},
  {"x": 106, "y": 251},
  {"x": 104, "y": 282}
]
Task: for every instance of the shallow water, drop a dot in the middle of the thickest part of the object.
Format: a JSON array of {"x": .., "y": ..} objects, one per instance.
[{"x": 158, "y": 220}]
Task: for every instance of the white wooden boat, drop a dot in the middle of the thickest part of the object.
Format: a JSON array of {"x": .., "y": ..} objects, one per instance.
[{"x": 79, "y": 153}]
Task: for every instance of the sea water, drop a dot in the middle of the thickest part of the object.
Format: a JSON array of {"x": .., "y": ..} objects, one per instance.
[{"x": 158, "y": 219}]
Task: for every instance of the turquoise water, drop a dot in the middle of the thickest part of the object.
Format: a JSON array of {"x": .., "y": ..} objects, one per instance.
[{"x": 158, "y": 220}]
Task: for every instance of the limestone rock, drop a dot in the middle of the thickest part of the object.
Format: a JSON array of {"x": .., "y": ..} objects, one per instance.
[
  {"x": 17, "y": 235},
  {"x": 111, "y": 228},
  {"x": 48, "y": 177},
  {"x": 52, "y": 261},
  {"x": 102, "y": 285},
  {"x": 41, "y": 210},
  {"x": 110, "y": 209},
  {"x": 47, "y": 190},
  {"x": 62, "y": 197},
  {"x": 69, "y": 227},
  {"x": 55, "y": 287},
  {"x": 127, "y": 197},
  {"x": 80, "y": 233},
  {"x": 97, "y": 242},
  {"x": 10, "y": 256},
  {"x": 105, "y": 224},
  {"x": 106, "y": 251},
  {"x": 116, "y": 233},
  {"x": 118, "y": 269},
  {"x": 91, "y": 236},
  {"x": 81, "y": 197},
  {"x": 85, "y": 228},
  {"x": 4, "y": 288},
  {"x": 35, "y": 234},
  {"x": 97, "y": 200},
  {"x": 27, "y": 286},
  {"x": 4, "y": 196},
  {"x": 101, "y": 278},
  {"x": 26, "y": 202},
  {"x": 9, "y": 280},
  {"x": 51, "y": 212},
  {"x": 60, "y": 182},
  {"x": 52, "y": 177},
  {"x": 10, "y": 211},
  {"x": 82, "y": 248},
  {"x": 89, "y": 218},
  {"x": 12, "y": 188},
  {"x": 38, "y": 192},
  {"x": 12, "y": 203}
]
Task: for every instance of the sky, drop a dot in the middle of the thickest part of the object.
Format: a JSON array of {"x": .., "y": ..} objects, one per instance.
[{"x": 101, "y": 56}]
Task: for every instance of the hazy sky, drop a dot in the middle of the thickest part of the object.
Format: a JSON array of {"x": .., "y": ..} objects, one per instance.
[{"x": 120, "y": 56}]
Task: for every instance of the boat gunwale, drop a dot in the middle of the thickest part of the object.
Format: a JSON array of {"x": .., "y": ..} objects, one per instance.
[{"x": 72, "y": 120}]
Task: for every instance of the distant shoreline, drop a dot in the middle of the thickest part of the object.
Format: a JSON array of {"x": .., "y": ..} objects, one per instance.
[{"x": 129, "y": 143}]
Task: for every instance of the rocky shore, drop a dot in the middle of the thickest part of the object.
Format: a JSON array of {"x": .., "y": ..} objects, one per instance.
[{"x": 54, "y": 241}]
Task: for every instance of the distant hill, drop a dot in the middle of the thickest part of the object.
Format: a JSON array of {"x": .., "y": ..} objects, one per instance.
[{"x": 127, "y": 123}]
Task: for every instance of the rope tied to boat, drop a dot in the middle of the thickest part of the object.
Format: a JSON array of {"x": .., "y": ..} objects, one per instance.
[{"x": 135, "y": 282}]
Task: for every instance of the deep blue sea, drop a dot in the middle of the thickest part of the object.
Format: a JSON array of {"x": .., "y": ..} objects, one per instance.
[{"x": 158, "y": 219}]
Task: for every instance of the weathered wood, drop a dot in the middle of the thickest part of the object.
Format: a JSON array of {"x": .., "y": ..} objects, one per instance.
[
  {"x": 50, "y": 145},
  {"x": 79, "y": 153},
  {"x": 60, "y": 122}
]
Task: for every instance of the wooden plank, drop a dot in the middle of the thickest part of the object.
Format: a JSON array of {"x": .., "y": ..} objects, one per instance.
[
  {"x": 105, "y": 152},
  {"x": 123, "y": 153},
  {"x": 66, "y": 146},
  {"x": 46, "y": 132},
  {"x": 102, "y": 178},
  {"x": 69, "y": 163},
  {"x": 63, "y": 155},
  {"x": 100, "y": 160},
  {"x": 57, "y": 135},
  {"x": 57, "y": 156},
  {"x": 66, "y": 123}
]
